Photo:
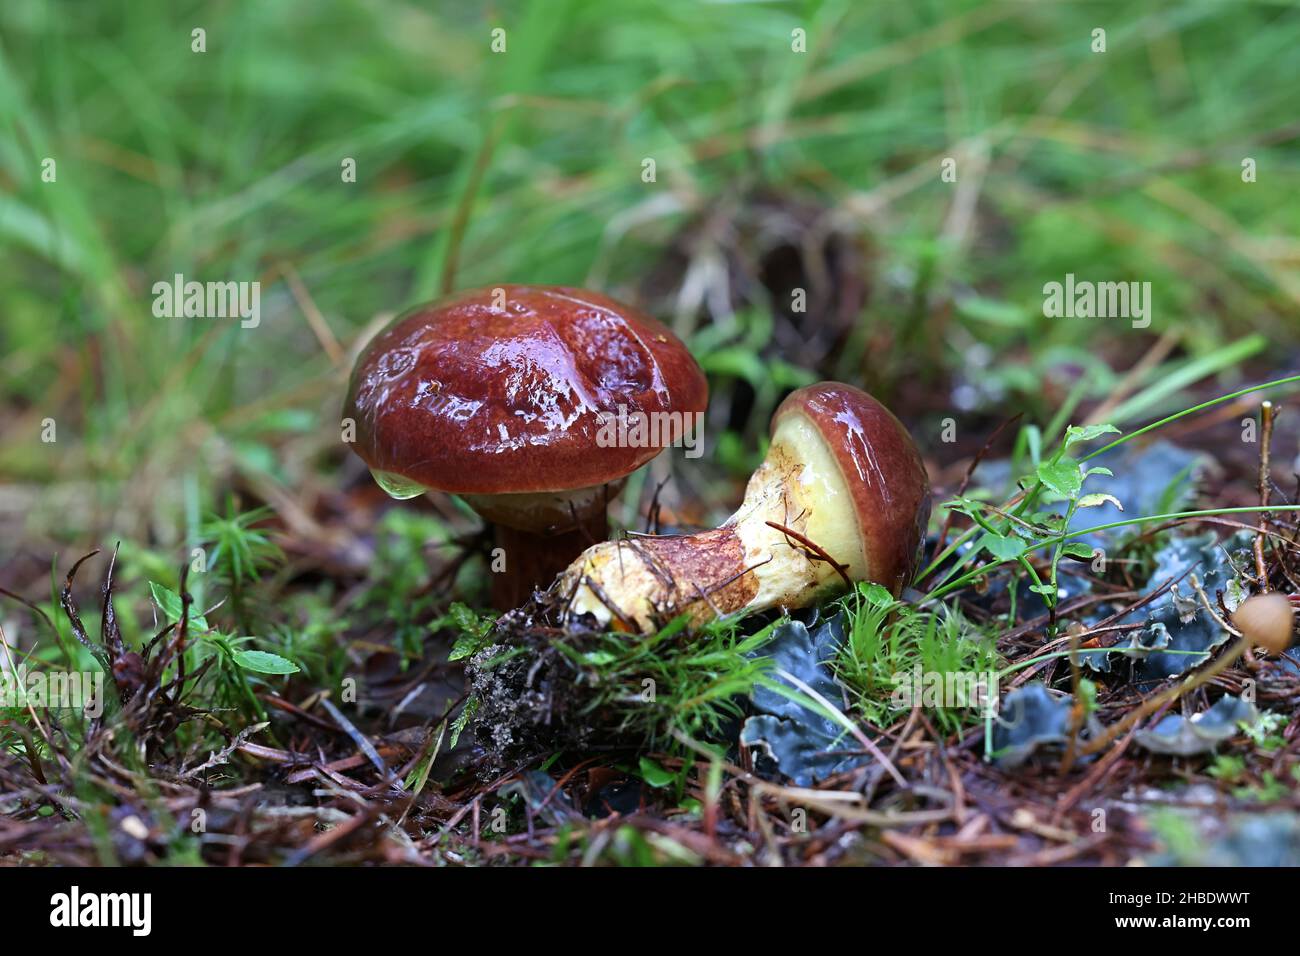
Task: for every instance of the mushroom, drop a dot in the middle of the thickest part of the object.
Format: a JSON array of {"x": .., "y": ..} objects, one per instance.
[
  {"x": 505, "y": 396},
  {"x": 842, "y": 496},
  {"x": 1266, "y": 620}
]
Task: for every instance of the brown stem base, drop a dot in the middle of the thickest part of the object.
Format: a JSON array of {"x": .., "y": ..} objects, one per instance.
[
  {"x": 532, "y": 560},
  {"x": 641, "y": 583}
]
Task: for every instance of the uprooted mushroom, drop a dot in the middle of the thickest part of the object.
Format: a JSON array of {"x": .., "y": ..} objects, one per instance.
[{"x": 842, "y": 496}]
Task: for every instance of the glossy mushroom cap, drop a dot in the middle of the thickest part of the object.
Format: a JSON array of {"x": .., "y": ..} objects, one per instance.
[
  {"x": 1267, "y": 621},
  {"x": 502, "y": 391},
  {"x": 880, "y": 472}
]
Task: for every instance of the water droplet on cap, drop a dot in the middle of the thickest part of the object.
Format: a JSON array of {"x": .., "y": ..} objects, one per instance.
[{"x": 396, "y": 486}]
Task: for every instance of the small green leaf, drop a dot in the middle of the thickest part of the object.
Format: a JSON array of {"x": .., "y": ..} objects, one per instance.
[
  {"x": 1062, "y": 477},
  {"x": 1002, "y": 548},
  {"x": 467, "y": 645},
  {"x": 1080, "y": 433},
  {"x": 462, "y": 721},
  {"x": 875, "y": 594},
  {"x": 464, "y": 618},
  {"x": 263, "y": 662},
  {"x": 654, "y": 774},
  {"x": 168, "y": 600},
  {"x": 1077, "y": 549},
  {"x": 170, "y": 603},
  {"x": 475, "y": 630}
]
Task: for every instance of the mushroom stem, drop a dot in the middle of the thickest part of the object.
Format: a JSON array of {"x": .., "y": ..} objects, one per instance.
[
  {"x": 788, "y": 544},
  {"x": 531, "y": 557}
]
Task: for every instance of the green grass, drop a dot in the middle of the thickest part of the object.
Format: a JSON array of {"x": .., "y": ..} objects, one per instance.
[
  {"x": 886, "y": 639},
  {"x": 651, "y": 690},
  {"x": 226, "y": 165}
]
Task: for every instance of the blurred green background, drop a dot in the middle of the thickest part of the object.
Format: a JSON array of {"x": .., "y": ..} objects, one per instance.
[{"x": 774, "y": 169}]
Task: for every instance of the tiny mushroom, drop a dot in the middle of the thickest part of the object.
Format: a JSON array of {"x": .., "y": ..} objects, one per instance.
[
  {"x": 842, "y": 496},
  {"x": 503, "y": 396},
  {"x": 1267, "y": 621}
]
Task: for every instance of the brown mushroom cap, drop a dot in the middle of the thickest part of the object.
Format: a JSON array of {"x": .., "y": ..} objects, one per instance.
[
  {"x": 882, "y": 471},
  {"x": 1267, "y": 621},
  {"x": 501, "y": 390}
]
